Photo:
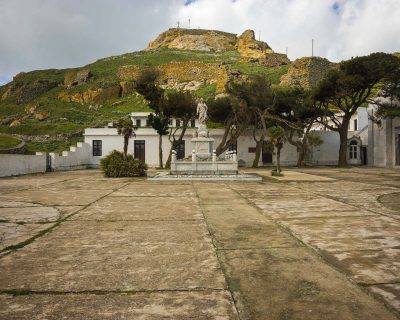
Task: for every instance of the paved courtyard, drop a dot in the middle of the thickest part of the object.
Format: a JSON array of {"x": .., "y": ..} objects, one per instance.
[{"x": 320, "y": 243}]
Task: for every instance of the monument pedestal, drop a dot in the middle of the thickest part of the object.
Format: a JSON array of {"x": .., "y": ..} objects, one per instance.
[{"x": 203, "y": 147}]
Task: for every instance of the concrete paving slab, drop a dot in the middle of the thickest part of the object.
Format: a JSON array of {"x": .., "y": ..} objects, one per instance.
[
  {"x": 293, "y": 284},
  {"x": 58, "y": 196},
  {"x": 29, "y": 214},
  {"x": 144, "y": 306},
  {"x": 144, "y": 189},
  {"x": 237, "y": 226},
  {"x": 85, "y": 256},
  {"x": 13, "y": 233},
  {"x": 369, "y": 266},
  {"x": 347, "y": 233},
  {"x": 389, "y": 292},
  {"x": 142, "y": 208}
]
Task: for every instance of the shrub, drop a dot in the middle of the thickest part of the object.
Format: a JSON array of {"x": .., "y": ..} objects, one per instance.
[{"x": 114, "y": 165}]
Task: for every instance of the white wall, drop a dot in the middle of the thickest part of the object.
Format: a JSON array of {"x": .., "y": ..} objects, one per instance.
[
  {"x": 18, "y": 164},
  {"x": 78, "y": 157},
  {"x": 326, "y": 154}
]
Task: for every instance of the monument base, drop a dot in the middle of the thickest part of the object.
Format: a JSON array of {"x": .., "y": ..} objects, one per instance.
[{"x": 203, "y": 147}]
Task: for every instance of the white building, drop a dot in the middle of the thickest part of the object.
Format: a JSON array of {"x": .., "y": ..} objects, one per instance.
[
  {"x": 384, "y": 141},
  {"x": 145, "y": 145}
]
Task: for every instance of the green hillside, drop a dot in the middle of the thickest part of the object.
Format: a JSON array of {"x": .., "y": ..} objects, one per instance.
[{"x": 36, "y": 103}]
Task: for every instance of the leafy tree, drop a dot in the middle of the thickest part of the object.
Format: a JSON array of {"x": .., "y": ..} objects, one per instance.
[
  {"x": 296, "y": 113},
  {"x": 126, "y": 128},
  {"x": 182, "y": 106},
  {"x": 344, "y": 90},
  {"x": 233, "y": 115},
  {"x": 146, "y": 85}
]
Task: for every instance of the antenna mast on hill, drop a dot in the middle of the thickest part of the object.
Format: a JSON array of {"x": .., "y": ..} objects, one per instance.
[
  {"x": 178, "y": 24},
  {"x": 259, "y": 35},
  {"x": 189, "y": 23},
  {"x": 312, "y": 47}
]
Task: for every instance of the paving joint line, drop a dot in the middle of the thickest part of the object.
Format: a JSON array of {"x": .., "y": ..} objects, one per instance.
[{"x": 222, "y": 268}]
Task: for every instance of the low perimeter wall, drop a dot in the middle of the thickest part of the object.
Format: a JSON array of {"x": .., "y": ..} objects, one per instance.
[
  {"x": 17, "y": 164},
  {"x": 76, "y": 158}
]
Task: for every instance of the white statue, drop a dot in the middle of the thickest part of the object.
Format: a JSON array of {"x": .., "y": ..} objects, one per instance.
[{"x": 202, "y": 112}]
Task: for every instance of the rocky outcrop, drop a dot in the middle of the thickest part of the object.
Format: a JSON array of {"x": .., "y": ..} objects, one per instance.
[
  {"x": 307, "y": 72},
  {"x": 98, "y": 96},
  {"x": 210, "y": 40},
  {"x": 187, "y": 75},
  {"x": 250, "y": 48},
  {"x": 194, "y": 39},
  {"x": 76, "y": 77},
  {"x": 22, "y": 92}
]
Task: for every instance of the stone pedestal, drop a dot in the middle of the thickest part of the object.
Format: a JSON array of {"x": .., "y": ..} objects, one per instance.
[{"x": 203, "y": 147}]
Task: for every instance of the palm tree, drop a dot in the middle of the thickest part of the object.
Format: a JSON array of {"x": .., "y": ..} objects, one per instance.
[{"x": 126, "y": 128}]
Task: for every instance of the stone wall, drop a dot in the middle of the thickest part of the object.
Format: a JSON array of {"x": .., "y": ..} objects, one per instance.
[
  {"x": 78, "y": 157},
  {"x": 19, "y": 164}
]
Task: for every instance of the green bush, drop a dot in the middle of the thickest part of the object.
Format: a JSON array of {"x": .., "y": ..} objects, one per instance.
[{"x": 114, "y": 165}]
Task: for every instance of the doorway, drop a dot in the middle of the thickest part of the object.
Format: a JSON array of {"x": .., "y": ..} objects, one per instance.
[
  {"x": 364, "y": 157},
  {"x": 139, "y": 150}
]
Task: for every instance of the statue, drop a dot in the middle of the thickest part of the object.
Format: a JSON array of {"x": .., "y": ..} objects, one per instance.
[{"x": 202, "y": 112}]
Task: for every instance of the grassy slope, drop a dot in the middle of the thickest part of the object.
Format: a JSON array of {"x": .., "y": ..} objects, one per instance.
[
  {"x": 67, "y": 117},
  {"x": 7, "y": 142}
]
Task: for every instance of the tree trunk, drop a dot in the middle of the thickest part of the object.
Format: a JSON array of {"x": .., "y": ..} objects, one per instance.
[
  {"x": 259, "y": 148},
  {"x": 160, "y": 151},
  {"x": 343, "y": 142},
  {"x": 302, "y": 155},
  {"x": 278, "y": 158},
  {"x": 181, "y": 135},
  {"x": 126, "y": 142},
  {"x": 223, "y": 145}
]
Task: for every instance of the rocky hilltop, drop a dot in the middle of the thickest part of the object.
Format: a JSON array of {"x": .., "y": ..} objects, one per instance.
[
  {"x": 50, "y": 108},
  {"x": 217, "y": 41}
]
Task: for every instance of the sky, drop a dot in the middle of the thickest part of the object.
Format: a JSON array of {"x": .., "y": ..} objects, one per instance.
[{"x": 42, "y": 34}]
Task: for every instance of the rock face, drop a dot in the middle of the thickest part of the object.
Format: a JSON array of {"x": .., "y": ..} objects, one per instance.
[
  {"x": 307, "y": 72},
  {"x": 194, "y": 39},
  {"x": 97, "y": 96},
  {"x": 210, "y": 40},
  {"x": 188, "y": 75},
  {"x": 76, "y": 77},
  {"x": 23, "y": 92},
  {"x": 249, "y": 47}
]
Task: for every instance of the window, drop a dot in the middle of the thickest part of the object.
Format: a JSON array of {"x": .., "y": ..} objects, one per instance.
[
  {"x": 192, "y": 123},
  {"x": 97, "y": 146},
  {"x": 355, "y": 125},
  {"x": 178, "y": 123},
  {"x": 138, "y": 123},
  {"x": 252, "y": 149},
  {"x": 353, "y": 150},
  {"x": 232, "y": 147}
]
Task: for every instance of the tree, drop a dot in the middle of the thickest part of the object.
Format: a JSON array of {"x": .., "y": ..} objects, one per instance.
[
  {"x": 232, "y": 114},
  {"x": 182, "y": 106},
  {"x": 160, "y": 123},
  {"x": 126, "y": 128},
  {"x": 277, "y": 137},
  {"x": 295, "y": 111},
  {"x": 146, "y": 85},
  {"x": 344, "y": 90}
]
